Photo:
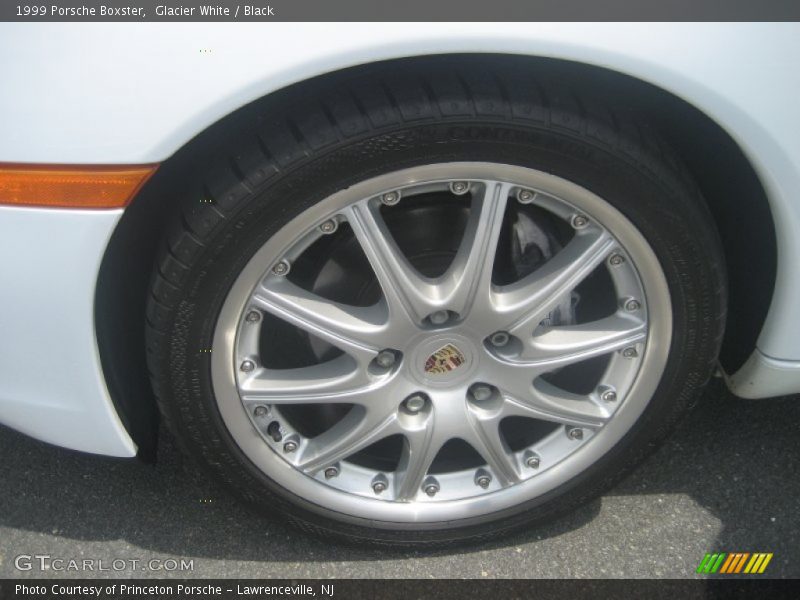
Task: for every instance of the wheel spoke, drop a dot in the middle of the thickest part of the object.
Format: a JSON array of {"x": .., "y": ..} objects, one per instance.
[
  {"x": 468, "y": 280},
  {"x": 419, "y": 450},
  {"x": 485, "y": 437},
  {"x": 408, "y": 294},
  {"x": 335, "y": 382},
  {"x": 560, "y": 346},
  {"x": 355, "y": 330},
  {"x": 358, "y": 429},
  {"x": 524, "y": 304},
  {"x": 546, "y": 402}
]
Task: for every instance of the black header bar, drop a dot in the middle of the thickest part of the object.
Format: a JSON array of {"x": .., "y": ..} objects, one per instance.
[{"x": 399, "y": 10}]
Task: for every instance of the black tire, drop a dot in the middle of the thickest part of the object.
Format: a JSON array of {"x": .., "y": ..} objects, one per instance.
[{"x": 316, "y": 140}]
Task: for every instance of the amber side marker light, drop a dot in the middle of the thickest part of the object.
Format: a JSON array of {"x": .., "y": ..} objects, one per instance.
[{"x": 70, "y": 186}]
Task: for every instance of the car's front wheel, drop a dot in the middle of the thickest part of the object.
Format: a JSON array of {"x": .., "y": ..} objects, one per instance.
[{"x": 412, "y": 324}]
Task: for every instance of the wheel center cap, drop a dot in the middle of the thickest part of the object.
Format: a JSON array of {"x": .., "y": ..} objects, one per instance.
[{"x": 443, "y": 360}]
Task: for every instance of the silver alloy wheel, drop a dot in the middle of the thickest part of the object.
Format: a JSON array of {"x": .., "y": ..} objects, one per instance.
[{"x": 462, "y": 384}]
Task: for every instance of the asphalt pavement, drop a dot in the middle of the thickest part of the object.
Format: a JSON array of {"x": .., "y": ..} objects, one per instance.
[{"x": 728, "y": 480}]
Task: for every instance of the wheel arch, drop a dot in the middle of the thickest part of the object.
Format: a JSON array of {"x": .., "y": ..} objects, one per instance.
[{"x": 728, "y": 180}]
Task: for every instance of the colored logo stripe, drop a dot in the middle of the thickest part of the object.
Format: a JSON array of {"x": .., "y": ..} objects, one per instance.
[
  {"x": 734, "y": 562},
  {"x": 711, "y": 563}
]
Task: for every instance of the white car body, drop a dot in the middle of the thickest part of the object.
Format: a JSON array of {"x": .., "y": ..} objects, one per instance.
[{"x": 136, "y": 93}]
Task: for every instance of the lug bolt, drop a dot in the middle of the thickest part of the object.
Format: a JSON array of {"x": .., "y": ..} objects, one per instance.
[
  {"x": 431, "y": 488},
  {"x": 459, "y": 188},
  {"x": 331, "y": 472},
  {"x": 379, "y": 487},
  {"x": 532, "y": 462},
  {"x": 481, "y": 392},
  {"x": 390, "y": 198},
  {"x": 483, "y": 480},
  {"x": 576, "y": 433},
  {"x": 579, "y": 221},
  {"x": 616, "y": 260},
  {"x": 440, "y": 317},
  {"x": 525, "y": 196},
  {"x": 329, "y": 226},
  {"x": 290, "y": 446},
  {"x": 499, "y": 339},
  {"x": 630, "y": 352},
  {"x": 385, "y": 359},
  {"x": 253, "y": 316},
  {"x": 632, "y": 305},
  {"x": 281, "y": 268},
  {"x": 247, "y": 366},
  {"x": 261, "y": 411},
  {"x": 609, "y": 396},
  {"x": 415, "y": 403}
]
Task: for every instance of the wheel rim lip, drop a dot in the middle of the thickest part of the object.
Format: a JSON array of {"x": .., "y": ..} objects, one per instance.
[{"x": 322, "y": 496}]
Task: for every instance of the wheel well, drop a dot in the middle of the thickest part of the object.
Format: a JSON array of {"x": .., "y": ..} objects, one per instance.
[{"x": 734, "y": 194}]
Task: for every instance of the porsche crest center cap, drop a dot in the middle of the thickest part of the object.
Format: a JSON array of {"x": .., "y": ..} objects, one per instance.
[{"x": 445, "y": 359}]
